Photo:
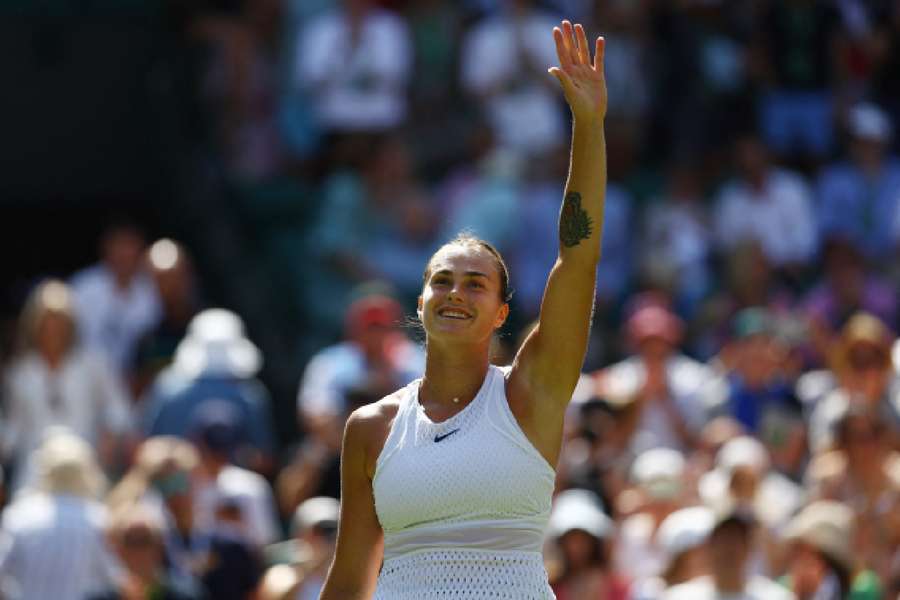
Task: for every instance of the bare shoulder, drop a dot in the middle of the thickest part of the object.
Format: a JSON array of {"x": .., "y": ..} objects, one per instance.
[{"x": 368, "y": 428}]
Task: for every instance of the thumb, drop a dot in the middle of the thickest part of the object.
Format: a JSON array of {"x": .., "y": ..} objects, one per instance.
[{"x": 564, "y": 79}]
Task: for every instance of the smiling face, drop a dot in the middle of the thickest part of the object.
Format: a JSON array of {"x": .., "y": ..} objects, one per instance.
[{"x": 462, "y": 296}]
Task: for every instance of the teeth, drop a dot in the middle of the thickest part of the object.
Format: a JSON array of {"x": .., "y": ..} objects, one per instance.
[{"x": 453, "y": 314}]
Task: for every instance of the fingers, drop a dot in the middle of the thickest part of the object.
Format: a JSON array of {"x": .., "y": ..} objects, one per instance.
[
  {"x": 562, "y": 52},
  {"x": 571, "y": 44},
  {"x": 599, "y": 51},
  {"x": 584, "y": 52}
]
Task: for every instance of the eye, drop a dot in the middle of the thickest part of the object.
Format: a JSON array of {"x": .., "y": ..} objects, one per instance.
[{"x": 476, "y": 284}]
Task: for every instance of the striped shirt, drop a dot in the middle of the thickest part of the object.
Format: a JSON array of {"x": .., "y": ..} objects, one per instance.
[{"x": 55, "y": 548}]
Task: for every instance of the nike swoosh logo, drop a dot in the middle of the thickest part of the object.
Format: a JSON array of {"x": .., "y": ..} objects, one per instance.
[{"x": 439, "y": 438}]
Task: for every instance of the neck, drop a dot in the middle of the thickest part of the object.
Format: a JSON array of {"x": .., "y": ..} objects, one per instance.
[{"x": 455, "y": 372}]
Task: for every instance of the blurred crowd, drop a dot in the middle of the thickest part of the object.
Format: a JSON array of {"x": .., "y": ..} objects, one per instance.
[{"x": 736, "y": 431}]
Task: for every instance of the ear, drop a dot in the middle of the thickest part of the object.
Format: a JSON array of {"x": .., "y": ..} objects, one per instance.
[{"x": 501, "y": 316}]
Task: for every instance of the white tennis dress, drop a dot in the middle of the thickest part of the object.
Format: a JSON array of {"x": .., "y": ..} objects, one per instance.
[{"x": 463, "y": 503}]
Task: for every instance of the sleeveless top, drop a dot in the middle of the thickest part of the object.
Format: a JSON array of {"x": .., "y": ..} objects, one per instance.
[{"x": 463, "y": 503}]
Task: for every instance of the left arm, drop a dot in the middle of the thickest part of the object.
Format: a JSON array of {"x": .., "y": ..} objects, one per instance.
[{"x": 549, "y": 363}]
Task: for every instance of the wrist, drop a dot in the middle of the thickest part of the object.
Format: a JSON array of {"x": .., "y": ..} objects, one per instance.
[{"x": 592, "y": 121}]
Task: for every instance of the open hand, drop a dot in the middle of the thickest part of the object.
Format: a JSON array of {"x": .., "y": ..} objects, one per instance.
[{"x": 583, "y": 81}]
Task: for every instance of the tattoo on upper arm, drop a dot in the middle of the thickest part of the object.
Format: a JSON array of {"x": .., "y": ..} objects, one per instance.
[{"x": 574, "y": 223}]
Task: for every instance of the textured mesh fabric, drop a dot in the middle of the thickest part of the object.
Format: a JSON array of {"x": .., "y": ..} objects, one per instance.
[
  {"x": 464, "y": 575},
  {"x": 463, "y": 503}
]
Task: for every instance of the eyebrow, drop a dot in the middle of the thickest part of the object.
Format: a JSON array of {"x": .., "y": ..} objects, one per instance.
[{"x": 467, "y": 273}]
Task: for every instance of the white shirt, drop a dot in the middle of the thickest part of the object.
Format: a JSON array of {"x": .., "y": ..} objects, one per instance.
[
  {"x": 83, "y": 394},
  {"x": 253, "y": 494},
  {"x": 694, "y": 388},
  {"x": 335, "y": 370},
  {"x": 356, "y": 88},
  {"x": 57, "y": 549},
  {"x": 779, "y": 217},
  {"x": 703, "y": 588},
  {"x": 112, "y": 320},
  {"x": 639, "y": 556},
  {"x": 525, "y": 113},
  {"x": 464, "y": 502}
]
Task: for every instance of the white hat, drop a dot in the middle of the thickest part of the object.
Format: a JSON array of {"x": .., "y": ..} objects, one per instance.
[
  {"x": 215, "y": 342},
  {"x": 579, "y": 510},
  {"x": 867, "y": 121},
  {"x": 743, "y": 451},
  {"x": 685, "y": 529},
  {"x": 320, "y": 510},
  {"x": 827, "y": 526},
  {"x": 659, "y": 472}
]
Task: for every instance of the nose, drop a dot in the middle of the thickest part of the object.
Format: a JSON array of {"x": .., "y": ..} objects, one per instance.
[{"x": 455, "y": 294}]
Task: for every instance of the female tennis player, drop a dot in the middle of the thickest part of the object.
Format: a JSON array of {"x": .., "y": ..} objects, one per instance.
[{"x": 447, "y": 483}]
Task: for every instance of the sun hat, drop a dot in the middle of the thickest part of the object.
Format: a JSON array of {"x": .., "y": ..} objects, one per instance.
[
  {"x": 685, "y": 529},
  {"x": 582, "y": 510},
  {"x": 319, "y": 511},
  {"x": 216, "y": 343},
  {"x": 659, "y": 472},
  {"x": 827, "y": 526}
]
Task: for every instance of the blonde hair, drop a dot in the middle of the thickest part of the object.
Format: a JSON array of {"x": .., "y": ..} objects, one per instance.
[
  {"x": 50, "y": 297},
  {"x": 66, "y": 465}
]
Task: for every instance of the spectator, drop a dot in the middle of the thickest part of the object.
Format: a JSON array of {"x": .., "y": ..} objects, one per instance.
[
  {"x": 115, "y": 300},
  {"x": 354, "y": 61},
  {"x": 861, "y": 372},
  {"x": 173, "y": 273},
  {"x": 504, "y": 66},
  {"x": 58, "y": 524},
  {"x": 224, "y": 563},
  {"x": 683, "y": 537},
  {"x": 137, "y": 537},
  {"x": 730, "y": 548},
  {"x": 658, "y": 477},
  {"x": 217, "y": 432},
  {"x": 629, "y": 64},
  {"x": 56, "y": 382},
  {"x": 867, "y": 479},
  {"x": 304, "y": 560},
  {"x": 750, "y": 281},
  {"x": 151, "y": 458},
  {"x": 375, "y": 358},
  {"x": 214, "y": 362},
  {"x": 241, "y": 85},
  {"x": 847, "y": 288},
  {"x": 761, "y": 395},
  {"x": 678, "y": 239},
  {"x": 799, "y": 41},
  {"x": 859, "y": 199},
  {"x": 668, "y": 396},
  {"x": 743, "y": 476},
  {"x": 373, "y": 224},
  {"x": 769, "y": 205},
  {"x": 822, "y": 564},
  {"x": 583, "y": 536}
]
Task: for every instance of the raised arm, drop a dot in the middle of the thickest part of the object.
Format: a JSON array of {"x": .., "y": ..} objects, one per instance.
[{"x": 548, "y": 364}]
